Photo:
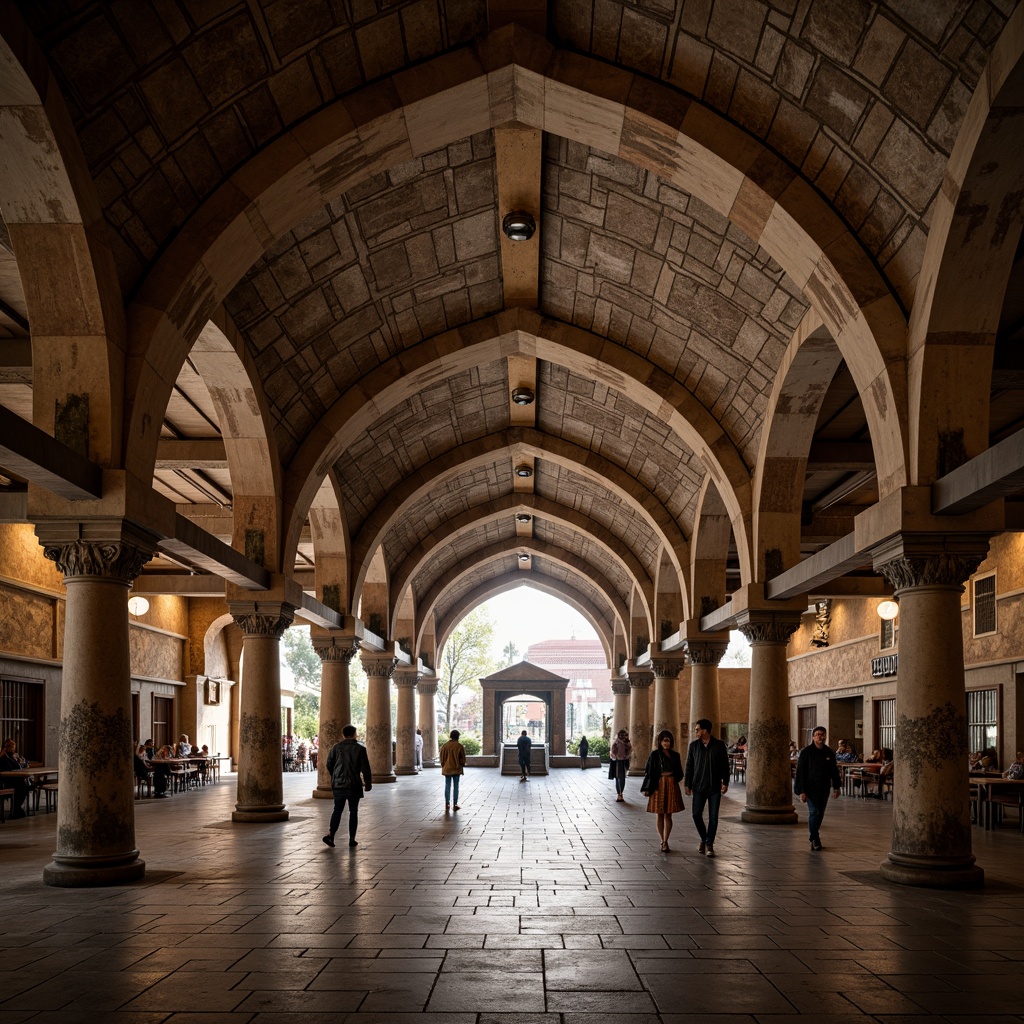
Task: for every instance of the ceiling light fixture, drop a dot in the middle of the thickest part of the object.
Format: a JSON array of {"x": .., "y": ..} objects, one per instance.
[
  {"x": 523, "y": 517},
  {"x": 524, "y": 471},
  {"x": 518, "y": 226},
  {"x": 137, "y": 606},
  {"x": 523, "y": 556},
  {"x": 523, "y": 396},
  {"x": 888, "y": 610}
]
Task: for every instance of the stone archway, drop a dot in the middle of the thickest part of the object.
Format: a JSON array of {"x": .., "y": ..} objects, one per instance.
[{"x": 524, "y": 678}]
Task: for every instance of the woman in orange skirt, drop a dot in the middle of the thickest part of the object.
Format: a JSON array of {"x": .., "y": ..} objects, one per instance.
[{"x": 661, "y": 784}]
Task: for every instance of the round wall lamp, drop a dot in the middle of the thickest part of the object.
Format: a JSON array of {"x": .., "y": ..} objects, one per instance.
[
  {"x": 523, "y": 396},
  {"x": 523, "y": 556},
  {"x": 888, "y": 610},
  {"x": 518, "y": 226},
  {"x": 524, "y": 471},
  {"x": 523, "y": 517},
  {"x": 137, "y": 606}
]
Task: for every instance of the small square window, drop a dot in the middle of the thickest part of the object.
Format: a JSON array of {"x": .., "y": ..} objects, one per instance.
[{"x": 984, "y": 605}]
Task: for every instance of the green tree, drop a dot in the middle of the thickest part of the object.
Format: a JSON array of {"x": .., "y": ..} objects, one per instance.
[
  {"x": 465, "y": 658},
  {"x": 510, "y": 653},
  {"x": 306, "y": 667}
]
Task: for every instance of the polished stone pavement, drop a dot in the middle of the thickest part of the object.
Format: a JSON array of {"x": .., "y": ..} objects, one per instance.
[{"x": 538, "y": 903}]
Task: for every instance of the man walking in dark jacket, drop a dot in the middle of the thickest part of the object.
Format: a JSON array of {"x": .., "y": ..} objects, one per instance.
[
  {"x": 523, "y": 744},
  {"x": 816, "y": 773},
  {"x": 706, "y": 779},
  {"x": 349, "y": 768}
]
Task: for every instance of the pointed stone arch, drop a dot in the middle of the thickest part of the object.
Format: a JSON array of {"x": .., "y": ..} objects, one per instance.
[{"x": 974, "y": 234}]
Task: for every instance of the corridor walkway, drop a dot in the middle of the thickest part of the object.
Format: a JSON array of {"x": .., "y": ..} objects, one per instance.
[{"x": 537, "y": 903}]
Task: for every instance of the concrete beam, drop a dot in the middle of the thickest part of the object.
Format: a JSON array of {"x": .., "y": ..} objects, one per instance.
[
  {"x": 201, "y": 549},
  {"x": 34, "y": 455},
  {"x": 199, "y": 453},
  {"x": 840, "y": 457},
  {"x": 814, "y": 572},
  {"x": 996, "y": 473}
]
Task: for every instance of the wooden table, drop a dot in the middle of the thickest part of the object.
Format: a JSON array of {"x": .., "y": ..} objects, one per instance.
[
  {"x": 868, "y": 772},
  {"x": 987, "y": 785},
  {"x": 39, "y": 774}
]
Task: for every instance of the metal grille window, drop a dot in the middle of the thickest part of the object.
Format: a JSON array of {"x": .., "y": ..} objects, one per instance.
[
  {"x": 887, "y": 638},
  {"x": 22, "y": 715},
  {"x": 984, "y": 605},
  {"x": 885, "y": 718},
  {"x": 982, "y": 719}
]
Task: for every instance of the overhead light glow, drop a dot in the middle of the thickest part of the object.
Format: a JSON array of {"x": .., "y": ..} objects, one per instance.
[
  {"x": 888, "y": 610},
  {"x": 524, "y": 471},
  {"x": 138, "y": 606}
]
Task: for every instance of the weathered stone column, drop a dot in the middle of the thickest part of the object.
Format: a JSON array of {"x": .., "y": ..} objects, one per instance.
[
  {"x": 427, "y": 690},
  {"x": 379, "y": 668},
  {"x": 96, "y": 810},
  {"x": 704, "y": 692},
  {"x": 260, "y": 783},
  {"x": 406, "y": 677},
  {"x": 666, "y": 695},
  {"x": 640, "y": 680},
  {"x": 620, "y": 707},
  {"x": 931, "y": 823},
  {"x": 336, "y": 651},
  {"x": 769, "y": 777}
]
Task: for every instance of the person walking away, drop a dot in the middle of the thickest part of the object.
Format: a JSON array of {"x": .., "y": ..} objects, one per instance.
[
  {"x": 524, "y": 743},
  {"x": 418, "y": 751},
  {"x": 584, "y": 747},
  {"x": 660, "y": 784},
  {"x": 707, "y": 779},
  {"x": 621, "y": 752},
  {"x": 816, "y": 773},
  {"x": 349, "y": 768},
  {"x": 453, "y": 763}
]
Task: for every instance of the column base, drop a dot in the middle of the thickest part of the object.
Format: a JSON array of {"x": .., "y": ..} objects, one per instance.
[
  {"x": 932, "y": 872},
  {"x": 405, "y": 770},
  {"x": 384, "y": 778},
  {"x": 272, "y": 812},
  {"x": 635, "y": 773},
  {"x": 86, "y": 872},
  {"x": 323, "y": 794},
  {"x": 769, "y": 815},
  {"x": 431, "y": 764}
]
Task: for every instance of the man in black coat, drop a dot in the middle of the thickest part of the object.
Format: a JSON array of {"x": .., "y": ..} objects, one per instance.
[
  {"x": 350, "y": 775},
  {"x": 707, "y": 779},
  {"x": 816, "y": 773}
]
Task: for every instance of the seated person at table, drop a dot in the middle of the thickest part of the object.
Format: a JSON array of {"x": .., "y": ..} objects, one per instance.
[
  {"x": 184, "y": 747},
  {"x": 162, "y": 770},
  {"x": 845, "y": 753},
  {"x": 877, "y": 757},
  {"x": 10, "y": 761},
  {"x": 1016, "y": 770},
  {"x": 989, "y": 760},
  {"x": 140, "y": 766},
  {"x": 740, "y": 746},
  {"x": 794, "y": 751}
]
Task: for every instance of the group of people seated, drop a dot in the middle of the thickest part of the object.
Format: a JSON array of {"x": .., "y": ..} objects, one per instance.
[
  {"x": 986, "y": 760},
  {"x": 160, "y": 761},
  {"x": 298, "y": 754}
]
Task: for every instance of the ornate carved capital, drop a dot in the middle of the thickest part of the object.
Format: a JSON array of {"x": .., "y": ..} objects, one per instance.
[
  {"x": 941, "y": 569},
  {"x": 118, "y": 560},
  {"x": 640, "y": 678},
  {"x": 427, "y": 687},
  {"x": 406, "y": 677},
  {"x": 378, "y": 667},
  {"x": 336, "y": 648},
  {"x": 667, "y": 668},
  {"x": 620, "y": 687},
  {"x": 769, "y": 628},
  {"x": 264, "y": 623},
  {"x": 705, "y": 652}
]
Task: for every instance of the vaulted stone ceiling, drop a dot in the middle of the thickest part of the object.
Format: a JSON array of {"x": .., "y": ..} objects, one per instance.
[{"x": 862, "y": 101}]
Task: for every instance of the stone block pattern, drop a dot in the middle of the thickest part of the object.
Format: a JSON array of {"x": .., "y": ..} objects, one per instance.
[
  {"x": 587, "y": 550},
  {"x": 864, "y": 99},
  {"x": 578, "y": 492},
  {"x": 403, "y": 257},
  {"x": 27, "y": 622},
  {"x": 156, "y": 655},
  {"x": 472, "y": 488},
  {"x": 452, "y": 412},
  {"x": 448, "y": 557},
  {"x": 633, "y": 258},
  {"x": 168, "y": 99},
  {"x": 480, "y": 575},
  {"x": 597, "y": 418}
]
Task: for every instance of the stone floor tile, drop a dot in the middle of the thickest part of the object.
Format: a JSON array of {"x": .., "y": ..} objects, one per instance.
[{"x": 445, "y": 913}]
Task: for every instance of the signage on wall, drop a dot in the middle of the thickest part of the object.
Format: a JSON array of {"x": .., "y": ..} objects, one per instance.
[{"x": 886, "y": 665}]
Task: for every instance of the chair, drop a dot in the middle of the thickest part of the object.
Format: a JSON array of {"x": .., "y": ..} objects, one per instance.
[
  {"x": 5, "y": 795},
  {"x": 50, "y": 790},
  {"x": 144, "y": 784},
  {"x": 739, "y": 767}
]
